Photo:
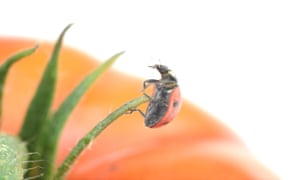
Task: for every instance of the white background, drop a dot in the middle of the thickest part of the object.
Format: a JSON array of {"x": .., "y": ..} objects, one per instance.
[{"x": 239, "y": 60}]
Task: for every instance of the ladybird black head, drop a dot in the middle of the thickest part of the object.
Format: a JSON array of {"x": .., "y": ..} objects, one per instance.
[
  {"x": 168, "y": 79},
  {"x": 161, "y": 68}
]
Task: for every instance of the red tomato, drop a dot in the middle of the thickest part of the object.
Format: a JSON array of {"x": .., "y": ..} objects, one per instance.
[{"x": 195, "y": 145}]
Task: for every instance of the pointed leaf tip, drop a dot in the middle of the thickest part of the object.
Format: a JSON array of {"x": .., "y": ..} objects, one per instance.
[{"x": 5, "y": 67}]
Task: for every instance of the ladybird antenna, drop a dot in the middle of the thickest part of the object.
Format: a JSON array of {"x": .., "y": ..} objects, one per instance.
[
  {"x": 159, "y": 61},
  {"x": 151, "y": 57}
]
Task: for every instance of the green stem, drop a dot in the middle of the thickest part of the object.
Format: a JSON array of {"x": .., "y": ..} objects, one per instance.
[{"x": 86, "y": 140}]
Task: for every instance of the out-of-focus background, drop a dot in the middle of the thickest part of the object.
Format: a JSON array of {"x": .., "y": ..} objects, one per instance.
[{"x": 238, "y": 60}]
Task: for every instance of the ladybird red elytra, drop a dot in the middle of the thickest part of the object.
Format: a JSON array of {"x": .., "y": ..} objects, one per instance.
[{"x": 165, "y": 103}]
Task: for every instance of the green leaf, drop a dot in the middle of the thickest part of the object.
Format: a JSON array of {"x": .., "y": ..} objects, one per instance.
[
  {"x": 4, "y": 68},
  {"x": 39, "y": 108},
  {"x": 12, "y": 157},
  {"x": 58, "y": 119},
  {"x": 40, "y": 105},
  {"x": 87, "y": 139}
]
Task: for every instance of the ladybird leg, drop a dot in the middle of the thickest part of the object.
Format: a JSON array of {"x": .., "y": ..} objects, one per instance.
[
  {"x": 148, "y": 82},
  {"x": 130, "y": 111},
  {"x": 148, "y": 96}
]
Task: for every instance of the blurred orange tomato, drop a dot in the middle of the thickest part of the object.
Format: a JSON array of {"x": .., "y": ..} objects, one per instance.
[{"x": 193, "y": 146}]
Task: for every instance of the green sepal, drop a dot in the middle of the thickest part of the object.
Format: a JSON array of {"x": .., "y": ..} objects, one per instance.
[
  {"x": 36, "y": 117},
  {"x": 58, "y": 119},
  {"x": 5, "y": 67}
]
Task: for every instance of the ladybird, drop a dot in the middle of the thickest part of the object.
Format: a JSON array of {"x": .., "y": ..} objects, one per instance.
[{"x": 165, "y": 103}]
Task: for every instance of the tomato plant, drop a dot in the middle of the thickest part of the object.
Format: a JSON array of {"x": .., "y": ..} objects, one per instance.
[{"x": 194, "y": 145}]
